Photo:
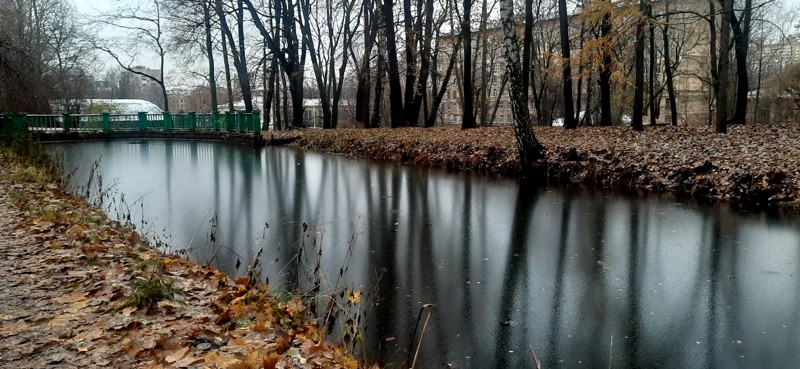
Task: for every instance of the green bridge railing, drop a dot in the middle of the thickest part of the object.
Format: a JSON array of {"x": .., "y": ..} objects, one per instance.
[{"x": 227, "y": 122}]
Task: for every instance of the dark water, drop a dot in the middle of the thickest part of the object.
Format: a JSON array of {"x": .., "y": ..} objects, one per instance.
[{"x": 578, "y": 277}]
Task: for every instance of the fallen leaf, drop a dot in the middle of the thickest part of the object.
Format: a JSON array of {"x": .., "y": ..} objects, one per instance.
[
  {"x": 354, "y": 296},
  {"x": 177, "y": 355}
]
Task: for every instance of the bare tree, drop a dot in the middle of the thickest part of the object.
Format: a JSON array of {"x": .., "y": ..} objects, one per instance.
[
  {"x": 438, "y": 85},
  {"x": 328, "y": 47},
  {"x": 638, "y": 92},
  {"x": 566, "y": 76},
  {"x": 238, "y": 49},
  {"x": 141, "y": 23},
  {"x": 43, "y": 55},
  {"x": 669, "y": 66},
  {"x": 363, "y": 68},
  {"x": 191, "y": 26},
  {"x": 721, "y": 125},
  {"x": 741, "y": 41},
  {"x": 286, "y": 48},
  {"x": 467, "y": 116},
  {"x": 395, "y": 90}
]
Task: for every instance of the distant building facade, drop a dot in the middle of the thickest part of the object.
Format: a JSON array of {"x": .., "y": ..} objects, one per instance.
[{"x": 691, "y": 75}]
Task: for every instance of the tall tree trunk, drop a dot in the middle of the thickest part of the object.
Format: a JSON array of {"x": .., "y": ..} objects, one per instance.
[
  {"x": 566, "y": 75},
  {"x": 484, "y": 69},
  {"x": 244, "y": 75},
  {"x": 437, "y": 100},
  {"x": 527, "y": 42},
  {"x": 528, "y": 147},
  {"x": 226, "y": 64},
  {"x": 651, "y": 70},
  {"x": 281, "y": 102},
  {"x": 426, "y": 37},
  {"x": 638, "y": 92},
  {"x": 503, "y": 82},
  {"x": 741, "y": 39},
  {"x": 296, "y": 92},
  {"x": 723, "y": 71},
  {"x": 411, "y": 59},
  {"x": 347, "y": 41},
  {"x": 758, "y": 85},
  {"x": 316, "y": 62},
  {"x": 580, "y": 78},
  {"x": 362, "y": 91},
  {"x": 375, "y": 121},
  {"x": 212, "y": 77},
  {"x": 467, "y": 116},
  {"x": 395, "y": 90},
  {"x": 239, "y": 61},
  {"x": 673, "y": 106},
  {"x": 287, "y": 53},
  {"x": 605, "y": 71},
  {"x": 712, "y": 46},
  {"x": 269, "y": 90}
]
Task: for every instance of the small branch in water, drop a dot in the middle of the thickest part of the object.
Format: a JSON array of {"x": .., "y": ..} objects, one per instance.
[
  {"x": 414, "y": 335},
  {"x": 610, "y": 350},
  {"x": 422, "y": 334},
  {"x": 535, "y": 358}
]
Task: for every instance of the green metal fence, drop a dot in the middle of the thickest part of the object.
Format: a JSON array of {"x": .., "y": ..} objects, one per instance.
[
  {"x": 12, "y": 125},
  {"x": 230, "y": 122}
]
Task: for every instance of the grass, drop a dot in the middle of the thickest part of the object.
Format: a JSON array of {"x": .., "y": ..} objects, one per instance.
[
  {"x": 149, "y": 292},
  {"x": 37, "y": 164}
]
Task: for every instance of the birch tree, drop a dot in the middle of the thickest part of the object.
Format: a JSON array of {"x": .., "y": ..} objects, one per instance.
[{"x": 528, "y": 146}]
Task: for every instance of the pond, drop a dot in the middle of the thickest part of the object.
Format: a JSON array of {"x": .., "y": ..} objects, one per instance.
[{"x": 574, "y": 278}]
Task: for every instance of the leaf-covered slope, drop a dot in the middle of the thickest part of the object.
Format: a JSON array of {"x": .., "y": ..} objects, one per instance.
[{"x": 756, "y": 165}]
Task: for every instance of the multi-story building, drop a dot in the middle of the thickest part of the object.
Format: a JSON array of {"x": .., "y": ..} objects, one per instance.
[{"x": 689, "y": 49}]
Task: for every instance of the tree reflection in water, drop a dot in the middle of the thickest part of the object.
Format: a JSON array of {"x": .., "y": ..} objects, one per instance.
[{"x": 509, "y": 266}]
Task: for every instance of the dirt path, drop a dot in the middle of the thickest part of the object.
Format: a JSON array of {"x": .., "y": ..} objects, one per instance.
[
  {"x": 72, "y": 295},
  {"x": 32, "y": 282},
  {"x": 26, "y": 337}
]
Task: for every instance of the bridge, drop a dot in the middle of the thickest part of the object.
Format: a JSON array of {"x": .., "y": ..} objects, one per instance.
[{"x": 237, "y": 127}]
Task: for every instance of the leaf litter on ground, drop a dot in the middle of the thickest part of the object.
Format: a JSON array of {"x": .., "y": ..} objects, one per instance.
[
  {"x": 751, "y": 165},
  {"x": 81, "y": 290}
]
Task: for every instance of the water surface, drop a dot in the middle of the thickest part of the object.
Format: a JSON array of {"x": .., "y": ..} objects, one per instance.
[{"x": 580, "y": 278}]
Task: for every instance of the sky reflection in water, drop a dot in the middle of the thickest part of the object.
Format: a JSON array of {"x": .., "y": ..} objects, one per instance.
[{"x": 509, "y": 268}]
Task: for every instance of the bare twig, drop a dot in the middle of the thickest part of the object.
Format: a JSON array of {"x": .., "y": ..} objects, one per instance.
[
  {"x": 422, "y": 334},
  {"x": 535, "y": 358}
]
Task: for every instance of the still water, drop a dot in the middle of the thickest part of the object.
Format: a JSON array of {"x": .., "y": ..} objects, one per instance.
[{"x": 583, "y": 279}]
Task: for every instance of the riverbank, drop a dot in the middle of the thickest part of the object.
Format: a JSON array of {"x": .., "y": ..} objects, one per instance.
[
  {"x": 80, "y": 290},
  {"x": 752, "y": 165}
]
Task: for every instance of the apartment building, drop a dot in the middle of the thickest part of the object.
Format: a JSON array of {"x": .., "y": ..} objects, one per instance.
[{"x": 689, "y": 51}]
